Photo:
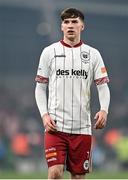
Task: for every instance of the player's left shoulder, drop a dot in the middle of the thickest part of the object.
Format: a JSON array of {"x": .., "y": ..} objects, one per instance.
[{"x": 90, "y": 48}]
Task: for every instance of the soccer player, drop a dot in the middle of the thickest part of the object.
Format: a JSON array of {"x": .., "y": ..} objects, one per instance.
[{"x": 67, "y": 69}]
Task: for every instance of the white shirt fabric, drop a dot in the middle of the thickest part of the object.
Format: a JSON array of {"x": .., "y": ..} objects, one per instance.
[{"x": 69, "y": 72}]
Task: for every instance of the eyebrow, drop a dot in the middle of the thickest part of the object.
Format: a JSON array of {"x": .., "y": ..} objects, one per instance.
[{"x": 73, "y": 20}]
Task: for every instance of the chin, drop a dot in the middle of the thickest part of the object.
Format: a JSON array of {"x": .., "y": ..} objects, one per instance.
[{"x": 71, "y": 38}]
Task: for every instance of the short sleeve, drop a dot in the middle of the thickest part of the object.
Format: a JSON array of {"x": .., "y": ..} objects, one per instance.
[{"x": 100, "y": 72}]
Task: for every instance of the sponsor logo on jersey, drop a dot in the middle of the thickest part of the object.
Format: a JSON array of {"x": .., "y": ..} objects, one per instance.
[
  {"x": 85, "y": 57},
  {"x": 50, "y": 149},
  {"x": 72, "y": 73},
  {"x": 51, "y": 154},
  {"x": 52, "y": 159},
  {"x": 60, "y": 55},
  {"x": 103, "y": 70}
]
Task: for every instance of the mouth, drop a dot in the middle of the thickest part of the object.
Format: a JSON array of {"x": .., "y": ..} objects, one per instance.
[{"x": 70, "y": 32}]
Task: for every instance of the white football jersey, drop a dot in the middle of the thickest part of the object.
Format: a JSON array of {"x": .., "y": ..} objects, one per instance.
[{"x": 69, "y": 72}]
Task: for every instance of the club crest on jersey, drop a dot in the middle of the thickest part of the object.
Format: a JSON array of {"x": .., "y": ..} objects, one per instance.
[
  {"x": 86, "y": 165},
  {"x": 85, "y": 57}
]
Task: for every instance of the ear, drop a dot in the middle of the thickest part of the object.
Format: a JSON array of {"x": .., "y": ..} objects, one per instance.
[
  {"x": 83, "y": 26},
  {"x": 61, "y": 27}
]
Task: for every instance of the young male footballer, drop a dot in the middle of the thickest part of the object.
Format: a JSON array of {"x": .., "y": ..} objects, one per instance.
[{"x": 68, "y": 68}]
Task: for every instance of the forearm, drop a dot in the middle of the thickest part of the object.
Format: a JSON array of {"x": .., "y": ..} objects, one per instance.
[
  {"x": 104, "y": 96},
  {"x": 41, "y": 98}
]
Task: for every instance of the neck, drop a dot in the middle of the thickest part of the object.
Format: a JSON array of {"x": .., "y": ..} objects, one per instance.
[{"x": 71, "y": 42}]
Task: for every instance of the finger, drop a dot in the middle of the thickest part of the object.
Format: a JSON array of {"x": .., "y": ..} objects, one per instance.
[
  {"x": 98, "y": 122},
  {"x": 102, "y": 122},
  {"x": 100, "y": 125},
  {"x": 48, "y": 128},
  {"x": 51, "y": 129},
  {"x": 51, "y": 126},
  {"x": 53, "y": 123},
  {"x": 96, "y": 116}
]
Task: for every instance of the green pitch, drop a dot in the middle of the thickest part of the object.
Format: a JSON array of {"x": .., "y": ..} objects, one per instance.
[{"x": 43, "y": 175}]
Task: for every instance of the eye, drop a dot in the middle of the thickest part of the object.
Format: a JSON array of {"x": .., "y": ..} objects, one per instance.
[
  {"x": 66, "y": 21},
  {"x": 74, "y": 21}
]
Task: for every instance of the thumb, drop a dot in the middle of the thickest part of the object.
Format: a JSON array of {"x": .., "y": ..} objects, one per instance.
[{"x": 96, "y": 116}]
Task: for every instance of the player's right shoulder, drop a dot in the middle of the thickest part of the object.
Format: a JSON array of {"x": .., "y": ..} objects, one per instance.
[
  {"x": 49, "y": 51},
  {"x": 52, "y": 46}
]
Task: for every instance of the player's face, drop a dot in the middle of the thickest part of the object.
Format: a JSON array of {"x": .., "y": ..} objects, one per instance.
[{"x": 72, "y": 28}]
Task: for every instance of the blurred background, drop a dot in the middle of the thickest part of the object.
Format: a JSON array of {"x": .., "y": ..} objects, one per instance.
[{"x": 26, "y": 27}]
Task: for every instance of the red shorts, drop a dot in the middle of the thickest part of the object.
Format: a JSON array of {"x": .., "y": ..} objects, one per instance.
[{"x": 70, "y": 149}]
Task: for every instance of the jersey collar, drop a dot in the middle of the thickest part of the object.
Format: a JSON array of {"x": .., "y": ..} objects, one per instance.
[{"x": 67, "y": 45}]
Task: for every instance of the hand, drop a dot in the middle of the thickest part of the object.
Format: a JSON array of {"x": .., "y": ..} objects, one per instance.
[
  {"x": 101, "y": 119},
  {"x": 49, "y": 123}
]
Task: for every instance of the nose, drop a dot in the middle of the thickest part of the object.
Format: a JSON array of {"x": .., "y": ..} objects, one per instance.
[{"x": 70, "y": 25}]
